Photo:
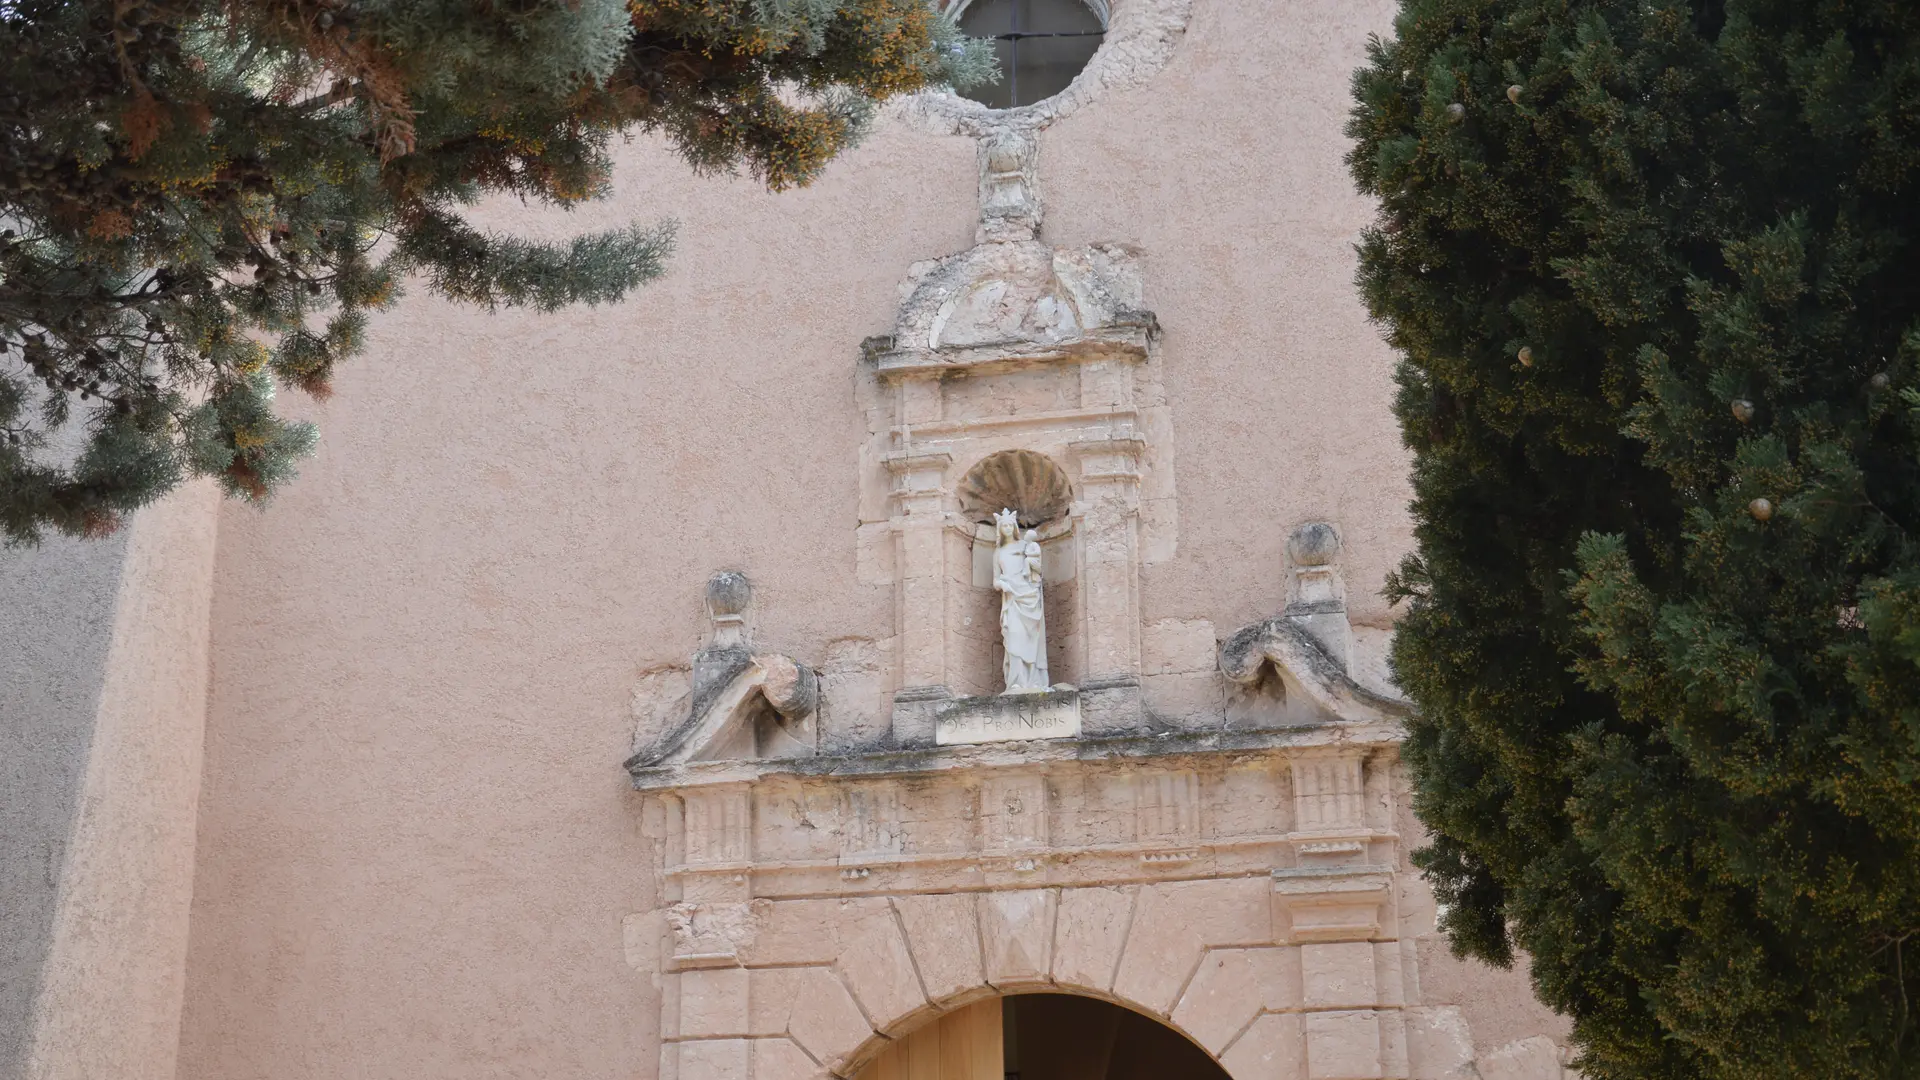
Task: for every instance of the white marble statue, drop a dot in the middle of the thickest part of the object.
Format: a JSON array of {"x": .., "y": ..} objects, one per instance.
[{"x": 1023, "y": 619}]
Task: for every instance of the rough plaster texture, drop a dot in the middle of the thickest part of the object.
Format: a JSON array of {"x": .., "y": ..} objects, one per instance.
[
  {"x": 1226, "y": 170},
  {"x": 418, "y": 846},
  {"x": 56, "y": 624},
  {"x": 417, "y": 855},
  {"x": 112, "y": 976}
]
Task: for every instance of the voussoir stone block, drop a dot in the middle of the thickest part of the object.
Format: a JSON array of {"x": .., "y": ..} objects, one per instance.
[
  {"x": 714, "y": 1059},
  {"x": 1270, "y": 1050},
  {"x": 945, "y": 941},
  {"x": 1338, "y": 976},
  {"x": 1174, "y": 923},
  {"x": 1233, "y": 985},
  {"x": 780, "y": 1059},
  {"x": 874, "y": 959},
  {"x": 770, "y": 999},
  {"x": 859, "y": 936},
  {"x": 812, "y": 1007},
  {"x": 1016, "y": 929},
  {"x": 1342, "y": 1045},
  {"x": 1091, "y": 930},
  {"x": 713, "y": 1002}
]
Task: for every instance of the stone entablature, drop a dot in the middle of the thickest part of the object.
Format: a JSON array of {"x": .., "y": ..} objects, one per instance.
[{"x": 1052, "y": 812}]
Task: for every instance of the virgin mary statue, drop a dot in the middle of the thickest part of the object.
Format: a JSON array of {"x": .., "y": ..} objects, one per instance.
[{"x": 1023, "y": 619}]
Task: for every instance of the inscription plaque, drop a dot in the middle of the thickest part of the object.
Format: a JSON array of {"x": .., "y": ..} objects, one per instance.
[{"x": 1009, "y": 717}]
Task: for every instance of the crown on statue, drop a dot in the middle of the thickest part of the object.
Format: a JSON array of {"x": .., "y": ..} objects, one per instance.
[{"x": 1005, "y": 518}]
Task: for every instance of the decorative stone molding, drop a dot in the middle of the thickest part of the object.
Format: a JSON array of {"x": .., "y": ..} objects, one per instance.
[
  {"x": 1141, "y": 37},
  {"x": 1336, "y": 903},
  {"x": 1009, "y": 192},
  {"x": 727, "y": 719},
  {"x": 1315, "y": 684},
  {"x": 740, "y": 703}
]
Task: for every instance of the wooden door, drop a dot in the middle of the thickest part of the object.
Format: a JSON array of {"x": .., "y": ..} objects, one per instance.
[{"x": 964, "y": 1044}]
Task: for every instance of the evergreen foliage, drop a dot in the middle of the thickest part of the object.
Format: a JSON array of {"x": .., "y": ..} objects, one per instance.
[
  {"x": 201, "y": 201},
  {"x": 1652, "y": 270}
]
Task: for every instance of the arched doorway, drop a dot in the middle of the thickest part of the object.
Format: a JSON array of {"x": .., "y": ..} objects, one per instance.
[{"x": 1043, "y": 1037}]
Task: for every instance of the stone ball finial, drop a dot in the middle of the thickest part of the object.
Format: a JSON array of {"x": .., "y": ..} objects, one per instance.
[
  {"x": 1313, "y": 544},
  {"x": 728, "y": 592}
]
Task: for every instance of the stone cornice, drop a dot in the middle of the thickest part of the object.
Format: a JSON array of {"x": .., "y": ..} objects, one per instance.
[
  {"x": 1010, "y": 755},
  {"x": 1124, "y": 341}
]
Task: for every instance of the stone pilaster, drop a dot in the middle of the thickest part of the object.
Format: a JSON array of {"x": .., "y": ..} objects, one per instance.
[{"x": 919, "y": 491}]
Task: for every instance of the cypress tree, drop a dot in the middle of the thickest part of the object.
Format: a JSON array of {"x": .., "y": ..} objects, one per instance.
[
  {"x": 201, "y": 200},
  {"x": 1651, "y": 268}
]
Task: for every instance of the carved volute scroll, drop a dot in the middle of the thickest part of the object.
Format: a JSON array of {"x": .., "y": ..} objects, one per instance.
[{"x": 741, "y": 703}]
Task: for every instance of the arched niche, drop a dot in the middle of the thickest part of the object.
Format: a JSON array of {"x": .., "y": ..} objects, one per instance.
[
  {"x": 1043, "y": 1036},
  {"x": 1036, "y": 488}
]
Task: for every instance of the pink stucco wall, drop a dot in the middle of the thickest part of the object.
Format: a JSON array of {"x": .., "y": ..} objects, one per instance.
[
  {"x": 110, "y": 995},
  {"x": 416, "y": 844}
]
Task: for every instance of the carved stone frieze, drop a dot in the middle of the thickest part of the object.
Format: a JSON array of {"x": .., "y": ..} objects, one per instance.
[{"x": 1083, "y": 812}]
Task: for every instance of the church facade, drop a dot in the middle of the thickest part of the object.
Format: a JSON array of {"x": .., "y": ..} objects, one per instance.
[{"x": 934, "y": 633}]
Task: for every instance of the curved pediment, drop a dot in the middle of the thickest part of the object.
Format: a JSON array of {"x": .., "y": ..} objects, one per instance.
[
  {"x": 1019, "y": 301},
  {"x": 761, "y": 705},
  {"x": 1311, "y": 677}
]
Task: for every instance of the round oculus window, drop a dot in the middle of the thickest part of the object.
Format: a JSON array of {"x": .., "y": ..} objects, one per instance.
[{"x": 1041, "y": 44}]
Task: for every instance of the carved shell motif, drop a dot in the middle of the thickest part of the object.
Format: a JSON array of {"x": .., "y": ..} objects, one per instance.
[{"x": 1023, "y": 480}]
